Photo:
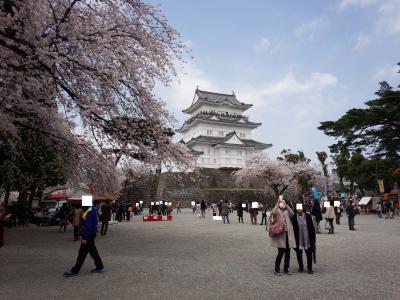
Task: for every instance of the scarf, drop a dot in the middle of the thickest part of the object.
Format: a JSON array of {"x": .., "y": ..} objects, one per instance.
[{"x": 304, "y": 241}]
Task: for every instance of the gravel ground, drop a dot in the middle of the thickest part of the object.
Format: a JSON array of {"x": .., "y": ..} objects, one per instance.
[{"x": 200, "y": 259}]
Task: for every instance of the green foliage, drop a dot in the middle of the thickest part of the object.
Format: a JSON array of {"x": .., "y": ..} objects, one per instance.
[
  {"x": 375, "y": 129},
  {"x": 289, "y": 156},
  {"x": 34, "y": 163}
]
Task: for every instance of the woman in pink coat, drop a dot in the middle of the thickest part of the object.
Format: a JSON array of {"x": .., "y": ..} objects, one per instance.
[{"x": 286, "y": 239}]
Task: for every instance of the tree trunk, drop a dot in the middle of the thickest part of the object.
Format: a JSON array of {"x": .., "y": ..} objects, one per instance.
[
  {"x": 23, "y": 195},
  {"x": 352, "y": 187},
  {"x": 341, "y": 183},
  {"x": 6, "y": 195},
  {"x": 155, "y": 182}
]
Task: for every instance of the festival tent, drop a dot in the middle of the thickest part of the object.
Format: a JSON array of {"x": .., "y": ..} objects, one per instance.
[{"x": 76, "y": 197}]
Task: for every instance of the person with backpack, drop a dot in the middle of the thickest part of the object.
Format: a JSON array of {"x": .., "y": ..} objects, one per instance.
[
  {"x": 89, "y": 230},
  {"x": 281, "y": 233},
  {"x": 305, "y": 236}
]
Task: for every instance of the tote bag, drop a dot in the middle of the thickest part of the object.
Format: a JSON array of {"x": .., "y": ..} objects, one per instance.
[{"x": 275, "y": 225}]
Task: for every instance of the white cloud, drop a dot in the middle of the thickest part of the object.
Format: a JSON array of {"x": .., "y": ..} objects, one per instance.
[
  {"x": 179, "y": 94},
  {"x": 308, "y": 31},
  {"x": 387, "y": 72},
  {"x": 361, "y": 3},
  {"x": 362, "y": 41},
  {"x": 290, "y": 108},
  {"x": 388, "y": 14},
  {"x": 290, "y": 85},
  {"x": 263, "y": 44},
  {"x": 389, "y": 18}
]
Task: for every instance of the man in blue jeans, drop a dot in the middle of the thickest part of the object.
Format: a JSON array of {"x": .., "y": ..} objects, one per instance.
[{"x": 89, "y": 230}]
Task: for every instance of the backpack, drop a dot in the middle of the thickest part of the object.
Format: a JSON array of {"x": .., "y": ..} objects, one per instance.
[{"x": 275, "y": 225}]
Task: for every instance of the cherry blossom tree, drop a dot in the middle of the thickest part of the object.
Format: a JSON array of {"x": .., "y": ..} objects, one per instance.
[
  {"x": 94, "y": 63},
  {"x": 279, "y": 175}
]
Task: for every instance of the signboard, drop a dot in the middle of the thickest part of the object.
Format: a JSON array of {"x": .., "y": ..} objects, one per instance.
[
  {"x": 151, "y": 203},
  {"x": 217, "y": 218},
  {"x": 327, "y": 204},
  {"x": 157, "y": 202},
  {"x": 299, "y": 206},
  {"x": 35, "y": 203},
  {"x": 193, "y": 203},
  {"x": 254, "y": 204},
  {"x": 141, "y": 202},
  {"x": 243, "y": 205},
  {"x": 336, "y": 203}
]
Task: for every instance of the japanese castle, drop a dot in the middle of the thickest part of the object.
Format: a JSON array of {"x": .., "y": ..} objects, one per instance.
[{"x": 218, "y": 132}]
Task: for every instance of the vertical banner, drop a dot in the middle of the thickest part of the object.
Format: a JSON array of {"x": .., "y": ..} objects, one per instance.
[{"x": 381, "y": 186}]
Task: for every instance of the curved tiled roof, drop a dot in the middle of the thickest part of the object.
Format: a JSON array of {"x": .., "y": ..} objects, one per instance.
[
  {"x": 214, "y": 141},
  {"x": 217, "y": 99},
  {"x": 220, "y": 118}
]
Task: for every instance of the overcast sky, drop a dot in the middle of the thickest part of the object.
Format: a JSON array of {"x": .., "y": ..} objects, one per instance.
[{"x": 297, "y": 62}]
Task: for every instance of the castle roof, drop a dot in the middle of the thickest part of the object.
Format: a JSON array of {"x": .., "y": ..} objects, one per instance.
[
  {"x": 220, "y": 118},
  {"x": 231, "y": 139},
  {"x": 217, "y": 99}
]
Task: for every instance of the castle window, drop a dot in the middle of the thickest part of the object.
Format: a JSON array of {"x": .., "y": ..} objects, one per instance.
[
  {"x": 221, "y": 133},
  {"x": 239, "y": 152},
  {"x": 227, "y": 151},
  {"x": 209, "y": 132},
  {"x": 215, "y": 161},
  {"x": 209, "y": 151},
  {"x": 242, "y": 135}
]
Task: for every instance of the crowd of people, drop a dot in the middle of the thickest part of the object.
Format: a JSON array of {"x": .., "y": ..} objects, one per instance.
[{"x": 289, "y": 225}]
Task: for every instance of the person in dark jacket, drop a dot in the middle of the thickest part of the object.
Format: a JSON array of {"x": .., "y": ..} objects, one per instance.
[
  {"x": 203, "y": 207},
  {"x": 89, "y": 230},
  {"x": 120, "y": 213},
  {"x": 350, "y": 215},
  {"x": 105, "y": 216},
  {"x": 264, "y": 210},
  {"x": 317, "y": 215},
  {"x": 305, "y": 236},
  {"x": 219, "y": 205},
  {"x": 338, "y": 214},
  {"x": 64, "y": 212},
  {"x": 240, "y": 211}
]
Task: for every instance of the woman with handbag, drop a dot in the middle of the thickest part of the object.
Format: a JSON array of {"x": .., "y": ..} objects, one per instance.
[{"x": 282, "y": 235}]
